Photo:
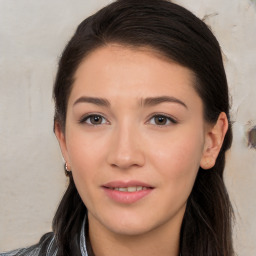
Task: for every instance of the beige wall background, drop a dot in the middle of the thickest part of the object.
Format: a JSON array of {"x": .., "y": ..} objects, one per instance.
[{"x": 32, "y": 36}]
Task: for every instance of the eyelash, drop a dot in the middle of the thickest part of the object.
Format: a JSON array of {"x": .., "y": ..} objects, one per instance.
[
  {"x": 169, "y": 119},
  {"x": 87, "y": 117}
]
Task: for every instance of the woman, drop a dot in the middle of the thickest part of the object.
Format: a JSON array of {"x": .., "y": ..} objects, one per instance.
[{"x": 142, "y": 119}]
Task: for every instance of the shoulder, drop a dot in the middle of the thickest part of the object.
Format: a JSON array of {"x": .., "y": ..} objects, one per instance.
[{"x": 46, "y": 246}]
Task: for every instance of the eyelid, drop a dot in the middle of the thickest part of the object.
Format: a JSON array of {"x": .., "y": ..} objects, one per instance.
[
  {"x": 170, "y": 118},
  {"x": 85, "y": 117}
]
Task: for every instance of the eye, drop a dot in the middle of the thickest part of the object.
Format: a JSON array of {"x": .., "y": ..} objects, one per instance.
[
  {"x": 161, "y": 120},
  {"x": 93, "y": 120}
]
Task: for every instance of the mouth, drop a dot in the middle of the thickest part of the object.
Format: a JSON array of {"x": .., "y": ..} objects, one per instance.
[
  {"x": 129, "y": 189},
  {"x": 127, "y": 186},
  {"x": 127, "y": 192}
]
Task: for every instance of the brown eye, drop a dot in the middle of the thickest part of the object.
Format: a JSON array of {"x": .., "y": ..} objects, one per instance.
[
  {"x": 162, "y": 120},
  {"x": 94, "y": 120}
]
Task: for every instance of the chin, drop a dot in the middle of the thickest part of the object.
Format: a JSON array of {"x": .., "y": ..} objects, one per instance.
[
  {"x": 125, "y": 223},
  {"x": 131, "y": 224},
  {"x": 130, "y": 229}
]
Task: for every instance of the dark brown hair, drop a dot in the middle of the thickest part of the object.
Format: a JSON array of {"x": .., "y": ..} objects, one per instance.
[{"x": 180, "y": 36}]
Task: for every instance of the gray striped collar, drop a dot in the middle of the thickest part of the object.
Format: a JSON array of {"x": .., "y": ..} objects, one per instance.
[{"x": 83, "y": 240}]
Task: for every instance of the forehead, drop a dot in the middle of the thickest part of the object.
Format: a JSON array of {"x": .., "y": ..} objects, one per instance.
[{"x": 128, "y": 72}]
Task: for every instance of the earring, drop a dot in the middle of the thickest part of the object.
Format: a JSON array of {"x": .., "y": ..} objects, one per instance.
[
  {"x": 66, "y": 167},
  {"x": 67, "y": 170}
]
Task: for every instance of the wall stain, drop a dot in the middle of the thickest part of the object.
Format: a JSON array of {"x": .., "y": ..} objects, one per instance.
[
  {"x": 208, "y": 16},
  {"x": 252, "y": 137}
]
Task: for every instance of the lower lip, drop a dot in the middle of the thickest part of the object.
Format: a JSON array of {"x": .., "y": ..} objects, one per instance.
[{"x": 126, "y": 197}]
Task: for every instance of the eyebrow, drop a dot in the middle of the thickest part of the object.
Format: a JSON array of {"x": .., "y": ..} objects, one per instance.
[
  {"x": 147, "y": 102},
  {"x": 152, "y": 101},
  {"x": 97, "y": 101}
]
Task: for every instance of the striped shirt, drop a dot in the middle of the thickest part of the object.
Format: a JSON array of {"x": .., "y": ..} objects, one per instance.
[{"x": 48, "y": 244}]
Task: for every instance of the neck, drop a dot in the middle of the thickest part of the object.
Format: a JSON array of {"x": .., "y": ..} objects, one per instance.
[{"x": 163, "y": 240}]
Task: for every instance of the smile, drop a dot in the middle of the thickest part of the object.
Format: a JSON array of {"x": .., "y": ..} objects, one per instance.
[
  {"x": 127, "y": 192},
  {"x": 130, "y": 189}
]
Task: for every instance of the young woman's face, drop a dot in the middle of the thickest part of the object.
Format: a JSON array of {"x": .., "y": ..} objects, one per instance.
[{"x": 134, "y": 139}]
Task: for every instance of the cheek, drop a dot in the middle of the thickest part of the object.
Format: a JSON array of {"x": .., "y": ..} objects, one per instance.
[
  {"x": 86, "y": 155},
  {"x": 179, "y": 157},
  {"x": 84, "y": 149},
  {"x": 85, "y": 160}
]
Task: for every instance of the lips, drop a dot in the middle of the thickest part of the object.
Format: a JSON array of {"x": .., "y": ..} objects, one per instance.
[
  {"x": 129, "y": 189},
  {"x": 126, "y": 184},
  {"x": 127, "y": 192}
]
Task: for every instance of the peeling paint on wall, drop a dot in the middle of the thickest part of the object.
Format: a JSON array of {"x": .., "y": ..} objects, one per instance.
[
  {"x": 252, "y": 137},
  {"x": 250, "y": 134},
  {"x": 207, "y": 16}
]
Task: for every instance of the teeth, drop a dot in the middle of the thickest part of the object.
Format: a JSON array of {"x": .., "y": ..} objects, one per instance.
[
  {"x": 130, "y": 189},
  {"x": 123, "y": 189}
]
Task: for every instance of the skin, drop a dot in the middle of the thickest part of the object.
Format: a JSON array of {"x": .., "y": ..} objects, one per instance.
[{"x": 128, "y": 143}]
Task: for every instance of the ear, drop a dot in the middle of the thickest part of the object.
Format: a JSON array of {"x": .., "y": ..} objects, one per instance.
[
  {"x": 62, "y": 141},
  {"x": 214, "y": 137}
]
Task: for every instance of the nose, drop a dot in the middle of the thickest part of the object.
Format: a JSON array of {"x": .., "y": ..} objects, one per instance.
[{"x": 126, "y": 149}]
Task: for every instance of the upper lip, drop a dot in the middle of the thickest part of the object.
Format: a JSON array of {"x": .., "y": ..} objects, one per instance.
[{"x": 125, "y": 184}]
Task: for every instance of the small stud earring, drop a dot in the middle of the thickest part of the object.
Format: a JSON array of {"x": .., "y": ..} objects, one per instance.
[{"x": 67, "y": 170}]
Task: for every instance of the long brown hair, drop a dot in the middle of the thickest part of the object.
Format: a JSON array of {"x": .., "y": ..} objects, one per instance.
[{"x": 182, "y": 37}]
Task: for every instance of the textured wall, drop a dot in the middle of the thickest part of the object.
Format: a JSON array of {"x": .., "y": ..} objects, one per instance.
[{"x": 32, "y": 35}]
